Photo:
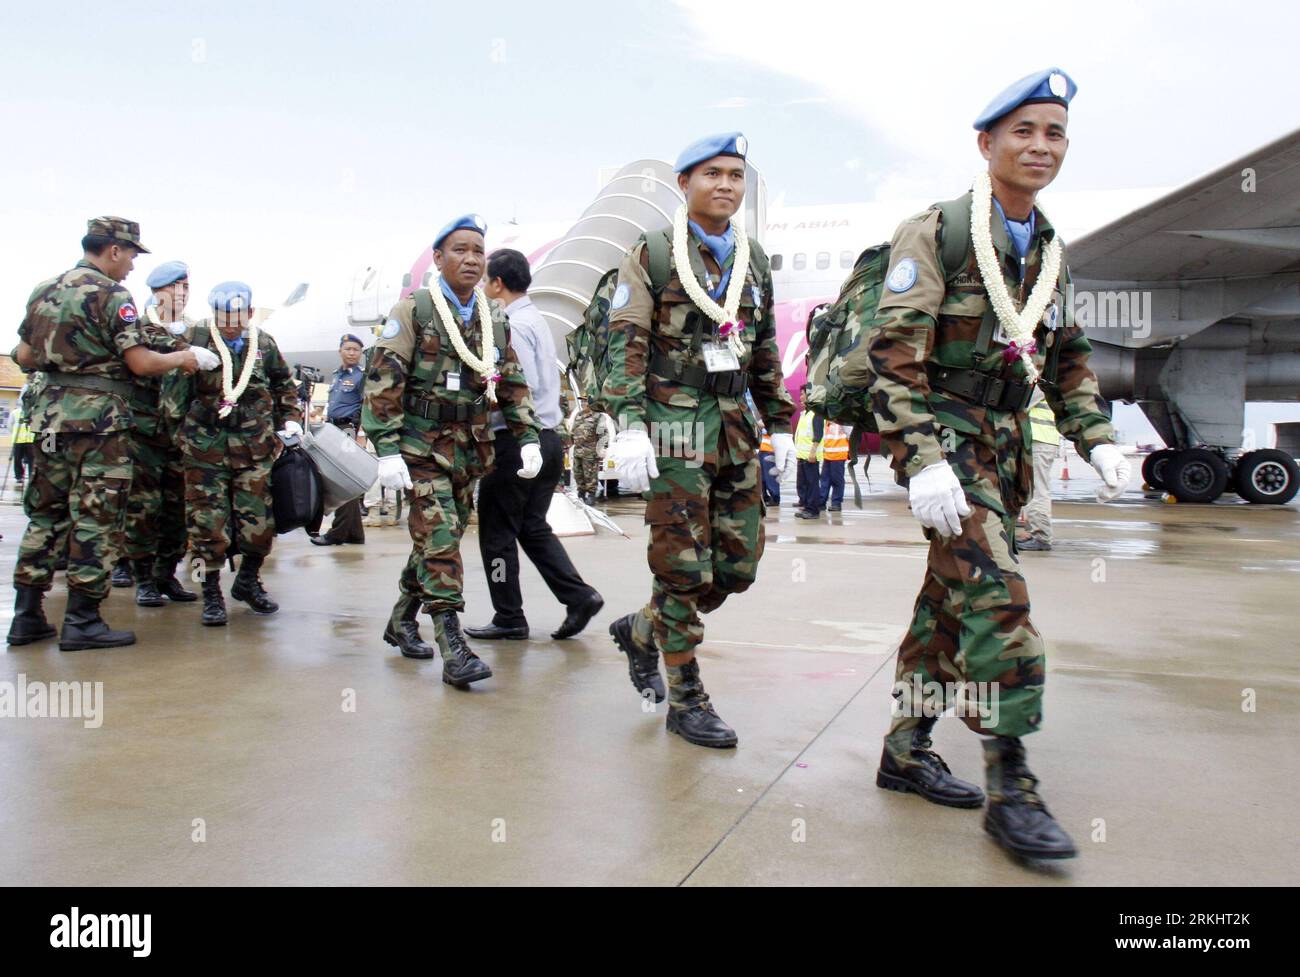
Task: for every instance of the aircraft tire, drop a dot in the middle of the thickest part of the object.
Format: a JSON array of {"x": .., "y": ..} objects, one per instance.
[
  {"x": 1267, "y": 477},
  {"x": 1195, "y": 475},
  {"x": 1154, "y": 467}
]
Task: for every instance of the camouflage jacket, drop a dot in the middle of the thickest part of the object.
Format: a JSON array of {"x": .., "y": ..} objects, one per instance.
[
  {"x": 149, "y": 419},
  {"x": 81, "y": 322},
  {"x": 938, "y": 321},
  {"x": 642, "y": 327},
  {"x": 409, "y": 368},
  {"x": 247, "y": 434},
  {"x": 586, "y": 431}
]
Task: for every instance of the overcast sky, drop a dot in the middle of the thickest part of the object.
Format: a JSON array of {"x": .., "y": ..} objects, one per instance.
[{"x": 279, "y": 143}]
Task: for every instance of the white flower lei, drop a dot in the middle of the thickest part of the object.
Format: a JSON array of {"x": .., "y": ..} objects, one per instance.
[
  {"x": 1019, "y": 326},
  {"x": 724, "y": 315},
  {"x": 482, "y": 364},
  {"x": 229, "y": 396}
]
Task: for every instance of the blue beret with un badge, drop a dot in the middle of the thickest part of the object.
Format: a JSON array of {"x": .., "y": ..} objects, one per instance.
[
  {"x": 1048, "y": 85},
  {"x": 723, "y": 144},
  {"x": 168, "y": 273},
  {"x": 472, "y": 222},
  {"x": 231, "y": 297}
]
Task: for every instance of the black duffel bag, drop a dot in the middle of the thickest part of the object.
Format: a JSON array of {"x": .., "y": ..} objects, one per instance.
[{"x": 297, "y": 495}]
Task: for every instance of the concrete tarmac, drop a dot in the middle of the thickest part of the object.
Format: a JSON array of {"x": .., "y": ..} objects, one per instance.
[{"x": 300, "y": 749}]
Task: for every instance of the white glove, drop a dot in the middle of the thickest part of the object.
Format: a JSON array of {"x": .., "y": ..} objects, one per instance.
[
  {"x": 292, "y": 429},
  {"x": 634, "y": 461},
  {"x": 208, "y": 360},
  {"x": 393, "y": 473},
  {"x": 531, "y": 457},
  {"x": 783, "y": 456},
  {"x": 938, "y": 501},
  {"x": 1114, "y": 469}
]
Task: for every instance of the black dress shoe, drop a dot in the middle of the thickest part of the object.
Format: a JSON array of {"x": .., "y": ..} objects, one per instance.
[
  {"x": 491, "y": 632},
  {"x": 579, "y": 617},
  {"x": 325, "y": 541}
]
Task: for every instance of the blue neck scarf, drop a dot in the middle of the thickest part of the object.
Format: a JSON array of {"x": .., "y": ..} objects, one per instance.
[
  {"x": 721, "y": 246},
  {"x": 466, "y": 311},
  {"x": 1020, "y": 232}
]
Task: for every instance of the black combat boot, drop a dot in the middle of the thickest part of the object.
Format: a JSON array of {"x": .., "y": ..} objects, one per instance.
[
  {"x": 403, "y": 632},
  {"x": 29, "y": 622},
  {"x": 164, "y": 576},
  {"x": 690, "y": 714},
  {"x": 908, "y": 765},
  {"x": 146, "y": 588},
  {"x": 214, "y": 604},
  {"x": 84, "y": 628},
  {"x": 248, "y": 585},
  {"x": 1016, "y": 817},
  {"x": 122, "y": 574},
  {"x": 460, "y": 666},
  {"x": 642, "y": 665}
]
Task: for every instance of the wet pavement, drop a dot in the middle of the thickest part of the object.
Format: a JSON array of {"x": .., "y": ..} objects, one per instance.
[{"x": 299, "y": 748}]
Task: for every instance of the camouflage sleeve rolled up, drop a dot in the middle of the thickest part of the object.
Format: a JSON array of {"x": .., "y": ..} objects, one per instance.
[
  {"x": 283, "y": 389},
  {"x": 382, "y": 412},
  {"x": 514, "y": 399},
  {"x": 766, "y": 381},
  {"x": 899, "y": 341},
  {"x": 1076, "y": 400},
  {"x": 628, "y": 349}
]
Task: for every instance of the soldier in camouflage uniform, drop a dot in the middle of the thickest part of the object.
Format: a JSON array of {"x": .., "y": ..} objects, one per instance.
[
  {"x": 949, "y": 388},
  {"x": 586, "y": 462},
  {"x": 669, "y": 370},
  {"x": 155, "y": 510},
  {"x": 82, "y": 330},
  {"x": 228, "y": 458},
  {"x": 426, "y": 411}
]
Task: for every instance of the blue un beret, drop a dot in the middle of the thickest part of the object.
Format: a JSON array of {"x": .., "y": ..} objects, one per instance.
[
  {"x": 1048, "y": 85},
  {"x": 167, "y": 273},
  {"x": 230, "y": 297},
  {"x": 723, "y": 144},
  {"x": 471, "y": 221}
]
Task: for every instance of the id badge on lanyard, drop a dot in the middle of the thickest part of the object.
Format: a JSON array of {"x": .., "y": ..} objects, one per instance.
[{"x": 719, "y": 357}]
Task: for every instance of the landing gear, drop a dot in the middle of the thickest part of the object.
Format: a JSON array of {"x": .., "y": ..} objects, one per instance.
[
  {"x": 1154, "y": 466},
  {"x": 1195, "y": 475},
  {"x": 1266, "y": 477}
]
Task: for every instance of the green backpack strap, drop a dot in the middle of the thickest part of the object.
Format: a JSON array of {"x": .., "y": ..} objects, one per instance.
[
  {"x": 660, "y": 253},
  {"x": 423, "y": 308},
  {"x": 954, "y": 235},
  {"x": 758, "y": 260}
]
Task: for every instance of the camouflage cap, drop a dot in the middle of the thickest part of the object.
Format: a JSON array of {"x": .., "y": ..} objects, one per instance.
[{"x": 119, "y": 229}]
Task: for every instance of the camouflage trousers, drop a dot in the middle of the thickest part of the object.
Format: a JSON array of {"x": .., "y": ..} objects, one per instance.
[
  {"x": 439, "y": 508},
  {"x": 971, "y": 620},
  {"x": 155, "y": 508},
  {"x": 586, "y": 466},
  {"x": 214, "y": 497},
  {"x": 76, "y": 494},
  {"x": 706, "y": 538}
]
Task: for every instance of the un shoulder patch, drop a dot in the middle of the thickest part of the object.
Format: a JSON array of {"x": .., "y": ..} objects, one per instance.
[
  {"x": 391, "y": 328},
  {"x": 621, "y": 296},
  {"x": 127, "y": 312},
  {"x": 903, "y": 276}
]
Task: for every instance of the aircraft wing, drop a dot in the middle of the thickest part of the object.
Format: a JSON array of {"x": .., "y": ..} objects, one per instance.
[{"x": 1211, "y": 249}]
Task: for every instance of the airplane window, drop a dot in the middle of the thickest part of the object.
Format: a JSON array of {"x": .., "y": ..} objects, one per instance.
[
  {"x": 800, "y": 261},
  {"x": 428, "y": 277},
  {"x": 777, "y": 261},
  {"x": 846, "y": 259},
  {"x": 823, "y": 260},
  {"x": 406, "y": 280}
]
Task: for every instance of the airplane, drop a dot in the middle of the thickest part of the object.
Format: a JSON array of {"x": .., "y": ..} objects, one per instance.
[{"x": 1190, "y": 298}]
